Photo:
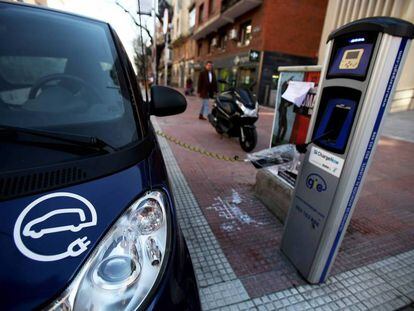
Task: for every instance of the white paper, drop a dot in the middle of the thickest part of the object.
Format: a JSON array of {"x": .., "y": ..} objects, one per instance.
[{"x": 296, "y": 92}]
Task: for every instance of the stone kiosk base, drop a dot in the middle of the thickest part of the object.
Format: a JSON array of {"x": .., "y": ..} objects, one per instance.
[{"x": 273, "y": 192}]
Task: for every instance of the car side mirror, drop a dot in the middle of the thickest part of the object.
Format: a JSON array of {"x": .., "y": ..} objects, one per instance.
[{"x": 166, "y": 101}]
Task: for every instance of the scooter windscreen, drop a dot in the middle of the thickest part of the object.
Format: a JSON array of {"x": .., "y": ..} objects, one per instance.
[{"x": 246, "y": 98}]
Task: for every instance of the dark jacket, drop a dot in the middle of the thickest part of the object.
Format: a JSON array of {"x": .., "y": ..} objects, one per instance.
[{"x": 205, "y": 88}]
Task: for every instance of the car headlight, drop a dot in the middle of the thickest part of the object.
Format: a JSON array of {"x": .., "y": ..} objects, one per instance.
[{"x": 125, "y": 265}]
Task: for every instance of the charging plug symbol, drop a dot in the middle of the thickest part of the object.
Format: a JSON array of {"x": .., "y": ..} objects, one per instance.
[{"x": 78, "y": 246}]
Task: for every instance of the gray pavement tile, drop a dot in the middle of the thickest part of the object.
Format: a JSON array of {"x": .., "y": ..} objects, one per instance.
[
  {"x": 204, "y": 248},
  {"x": 398, "y": 273},
  {"x": 223, "y": 294}
]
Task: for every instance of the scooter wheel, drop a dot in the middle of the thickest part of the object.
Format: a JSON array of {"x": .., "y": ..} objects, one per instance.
[{"x": 250, "y": 139}]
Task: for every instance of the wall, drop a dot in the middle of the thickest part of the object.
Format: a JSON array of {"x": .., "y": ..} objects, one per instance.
[
  {"x": 282, "y": 26},
  {"x": 232, "y": 47},
  {"x": 342, "y": 12},
  {"x": 293, "y": 27}
]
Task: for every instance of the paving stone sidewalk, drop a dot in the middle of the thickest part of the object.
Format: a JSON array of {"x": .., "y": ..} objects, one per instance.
[
  {"x": 249, "y": 235},
  {"x": 384, "y": 285}
]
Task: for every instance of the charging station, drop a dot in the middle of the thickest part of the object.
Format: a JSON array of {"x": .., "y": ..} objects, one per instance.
[{"x": 361, "y": 69}]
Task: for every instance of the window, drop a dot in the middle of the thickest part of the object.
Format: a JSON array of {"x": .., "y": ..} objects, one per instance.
[
  {"x": 28, "y": 69},
  {"x": 222, "y": 40},
  {"x": 67, "y": 78},
  {"x": 192, "y": 17},
  {"x": 199, "y": 47},
  {"x": 210, "y": 45},
  {"x": 246, "y": 33},
  {"x": 178, "y": 27},
  {"x": 200, "y": 13},
  {"x": 210, "y": 7}
]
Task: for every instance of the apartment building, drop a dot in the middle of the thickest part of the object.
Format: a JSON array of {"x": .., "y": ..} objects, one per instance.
[
  {"x": 183, "y": 46},
  {"x": 249, "y": 39}
]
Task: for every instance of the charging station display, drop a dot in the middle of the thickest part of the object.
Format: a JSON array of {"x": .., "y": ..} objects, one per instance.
[
  {"x": 351, "y": 57},
  {"x": 351, "y": 60}
]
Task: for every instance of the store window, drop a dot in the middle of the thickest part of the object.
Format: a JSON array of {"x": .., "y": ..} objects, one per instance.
[
  {"x": 200, "y": 13},
  {"x": 246, "y": 76},
  {"x": 225, "y": 74},
  {"x": 275, "y": 79},
  {"x": 246, "y": 33}
]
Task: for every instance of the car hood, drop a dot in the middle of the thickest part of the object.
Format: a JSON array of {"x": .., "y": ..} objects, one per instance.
[{"x": 45, "y": 238}]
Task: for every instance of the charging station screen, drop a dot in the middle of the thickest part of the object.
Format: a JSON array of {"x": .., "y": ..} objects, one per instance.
[
  {"x": 335, "y": 126},
  {"x": 336, "y": 123},
  {"x": 351, "y": 61},
  {"x": 351, "y": 56}
]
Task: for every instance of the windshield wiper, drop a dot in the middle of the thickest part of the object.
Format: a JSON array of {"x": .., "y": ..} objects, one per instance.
[{"x": 90, "y": 142}]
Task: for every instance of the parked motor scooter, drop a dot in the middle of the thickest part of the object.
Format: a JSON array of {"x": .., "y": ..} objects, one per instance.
[{"x": 234, "y": 113}]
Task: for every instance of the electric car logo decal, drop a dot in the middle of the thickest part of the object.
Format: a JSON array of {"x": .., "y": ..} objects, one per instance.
[
  {"x": 50, "y": 215},
  {"x": 315, "y": 181}
]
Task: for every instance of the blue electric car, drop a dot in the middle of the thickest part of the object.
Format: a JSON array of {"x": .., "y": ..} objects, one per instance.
[{"x": 87, "y": 218}]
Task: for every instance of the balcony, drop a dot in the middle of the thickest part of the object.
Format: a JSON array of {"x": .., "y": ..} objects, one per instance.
[
  {"x": 234, "y": 8},
  {"x": 230, "y": 10}
]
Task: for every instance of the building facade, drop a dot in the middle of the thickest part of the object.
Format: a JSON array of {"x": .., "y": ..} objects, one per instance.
[
  {"x": 341, "y": 12},
  {"x": 249, "y": 39},
  {"x": 183, "y": 46}
]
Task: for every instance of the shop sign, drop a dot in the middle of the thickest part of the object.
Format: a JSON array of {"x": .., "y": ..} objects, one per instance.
[{"x": 254, "y": 55}]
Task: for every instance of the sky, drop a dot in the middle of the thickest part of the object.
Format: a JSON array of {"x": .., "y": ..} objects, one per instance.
[{"x": 109, "y": 11}]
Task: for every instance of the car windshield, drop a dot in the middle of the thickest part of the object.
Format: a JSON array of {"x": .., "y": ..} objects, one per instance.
[{"x": 61, "y": 73}]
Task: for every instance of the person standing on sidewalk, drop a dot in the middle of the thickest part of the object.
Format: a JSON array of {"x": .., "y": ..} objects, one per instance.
[{"x": 207, "y": 87}]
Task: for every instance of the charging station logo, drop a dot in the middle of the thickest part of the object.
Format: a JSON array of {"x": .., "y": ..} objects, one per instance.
[{"x": 315, "y": 181}]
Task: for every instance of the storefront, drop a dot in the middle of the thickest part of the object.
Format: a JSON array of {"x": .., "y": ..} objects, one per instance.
[
  {"x": 253, "y": 67},
  {"x": 237, "y": 70}
]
